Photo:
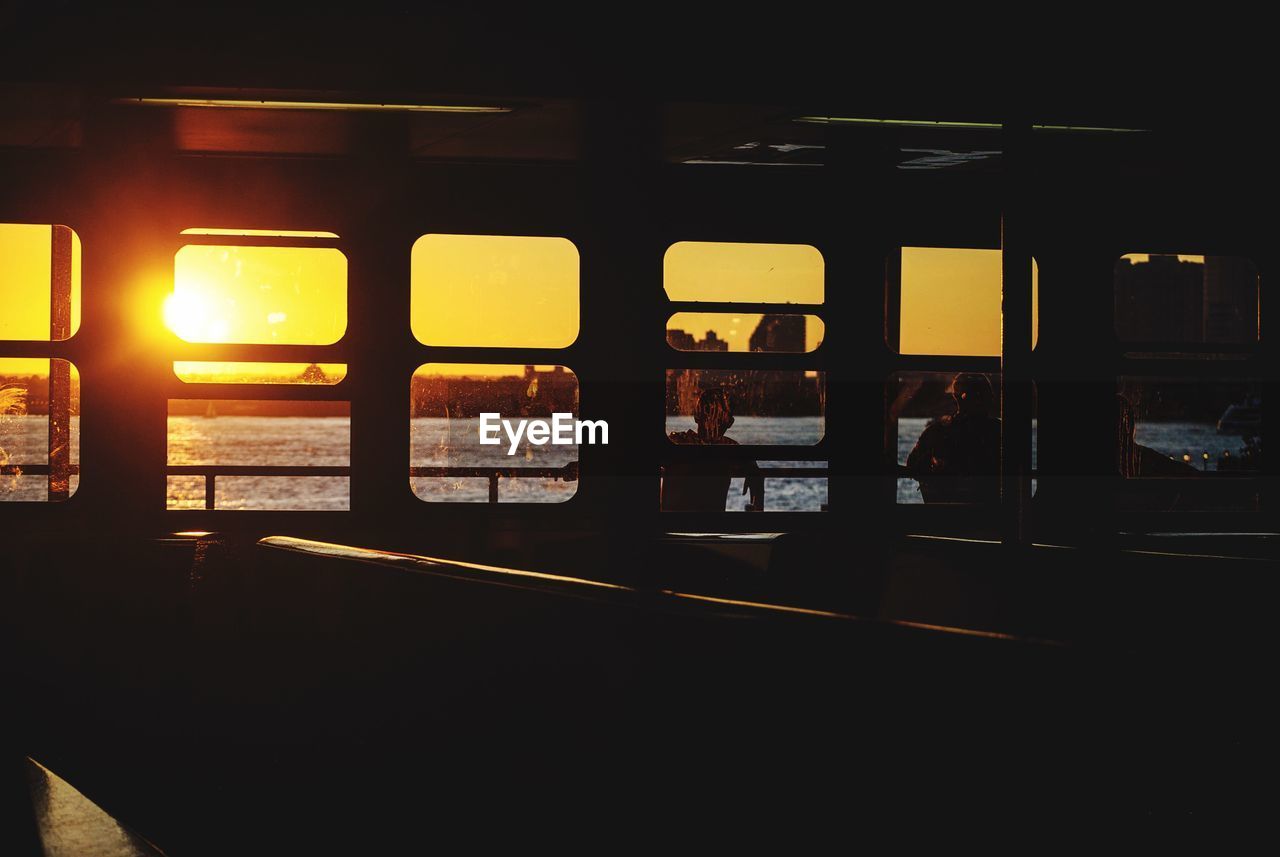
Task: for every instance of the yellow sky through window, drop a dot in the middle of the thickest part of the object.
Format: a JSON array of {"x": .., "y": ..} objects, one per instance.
[
  {"x": 749, "y": 273},
  {"x": 951, "y": 302},
  {"x": 736, "y": 328},
  {"x": 511, "y": 291},
  {"x": 25, "y": 252},
  {"x": 263, "y": 295},
  {"x": 476, "y": 291}
]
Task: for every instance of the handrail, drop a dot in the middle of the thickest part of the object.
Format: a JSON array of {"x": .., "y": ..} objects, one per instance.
[
  {"x": 211, "y": 472},
  {"x": 34, "y": 469}
]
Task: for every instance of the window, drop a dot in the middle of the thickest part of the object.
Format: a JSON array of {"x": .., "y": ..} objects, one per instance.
[
  {"x": 39, "y": 429},
  {"x": 1186, "y": 299},
  {"x": 272, "y": 452},
  {"x": 771, "y": 333},
  {"x": 39, "y": 396},
  {"x": 40, "y": 282},
  {"x": 770, "y": 407},
  {"x": 944, "y": 435},
  {"x": 949, "y": 299},
  {"x": 755, "y": 403},
  {"x": 210, "y": 372},
  {"x": 258, "y": 295},
  {"x": 249, "y": 454},
  {"x": 493, "y": 291},
  {"x": 743, "y": 273},
  {"x": 1189, "y": 397},
  {"x": 447, "y": 461},
  {"x": 499, "y": 291},
  {"x": 1187, "y": 443}
]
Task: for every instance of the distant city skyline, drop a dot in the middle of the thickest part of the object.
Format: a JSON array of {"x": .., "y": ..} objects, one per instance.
[{"x": 773, "y": 332}]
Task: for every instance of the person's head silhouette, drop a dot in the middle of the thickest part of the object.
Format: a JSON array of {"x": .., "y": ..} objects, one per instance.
[
  {"x": 972, "y": 392},
  {"x": 713, "y": 414}
]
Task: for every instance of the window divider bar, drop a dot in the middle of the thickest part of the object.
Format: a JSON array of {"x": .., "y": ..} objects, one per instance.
[
  {"x": 60, "y": 370},
  {"x": 750, "y": 308}
]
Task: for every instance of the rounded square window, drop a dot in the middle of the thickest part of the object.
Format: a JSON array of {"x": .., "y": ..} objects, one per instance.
[
  {"x": 766, "y": 333},
  {"x": 757, "y": 407},
  {"x": 258, "y": 295},
  {"x": 494, "y": 291},
  {"x": 496, "y": 433},
  {"x": 1186, "y": 299},
  {"x": 39, "y": 429},
  {"x": 744, "y": 273},
  {"x": 39, "y": 282},
  {"x": 949, "y": 301},
  {"x": 1189, "y": 443}
]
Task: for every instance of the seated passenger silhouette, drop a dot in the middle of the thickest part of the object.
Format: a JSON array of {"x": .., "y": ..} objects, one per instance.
[
  {"x": 957, "y": 458},
  {"x": 703, "y": 486}
]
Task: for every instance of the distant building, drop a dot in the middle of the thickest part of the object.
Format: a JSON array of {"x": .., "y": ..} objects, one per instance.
[
  {"x": 1230, "y": 299},
  {"x": 782, "y": 333},
  {"x": 712, "y": 343},
  {"x": 682, "y": 341},
  {"x": 1160, "y": 300}
]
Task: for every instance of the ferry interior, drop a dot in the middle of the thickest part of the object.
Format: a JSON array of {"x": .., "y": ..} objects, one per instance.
[{"x": 996, "y": 525}]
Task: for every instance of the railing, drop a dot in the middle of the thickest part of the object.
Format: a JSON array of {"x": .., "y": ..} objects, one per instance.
[
  {"x": 211, "y": 472},
  {"x": 34, "y": 469},
  {"x": 766, "y": 473},
  {"x": 59, "y": 472},
  {"x": 566, "y": 473}
]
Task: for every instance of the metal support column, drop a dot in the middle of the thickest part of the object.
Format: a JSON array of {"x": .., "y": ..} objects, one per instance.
[{"x": 1015, "y": 338}]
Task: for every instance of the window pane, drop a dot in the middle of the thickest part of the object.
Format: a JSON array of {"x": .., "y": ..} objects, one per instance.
[
  {"x": 1186, "y": 298},
  {"x": 766, "y": 406},
  {"x": 950, "y": 302},
  {"x": 39, "y": 429},
  {"x": 748, "y": 332},
  {"x": 260, "y": 295},
  {"x": 945, "y": 433},
  {"x": 204, "y": 372},
  {"x": 494, "y": 291},
  {"x": 39, "y": 282},
  {"x": 1198, "y": 436},
  {"x": 207, "y": 434},
  {"x": 449, "y": 464},
  {"x": 750, "y": 273}
]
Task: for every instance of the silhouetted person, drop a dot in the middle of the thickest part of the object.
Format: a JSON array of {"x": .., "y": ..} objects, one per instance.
[
  {"x": 957, "y": 458},
  {"x": 703, "y": 486}
]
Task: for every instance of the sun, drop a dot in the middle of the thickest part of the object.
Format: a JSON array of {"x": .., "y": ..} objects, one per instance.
[{"x": 187, "y": 316}]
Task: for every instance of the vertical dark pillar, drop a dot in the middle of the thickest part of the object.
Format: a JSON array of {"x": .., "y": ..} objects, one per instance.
[
  {"x": 1015, "y": 345},
  {"x": 860, "y": 170},
  {"x": 380, "y": 208},
  {"x": 60, "y": 370},
  {"x": 622, "y": 343}
]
